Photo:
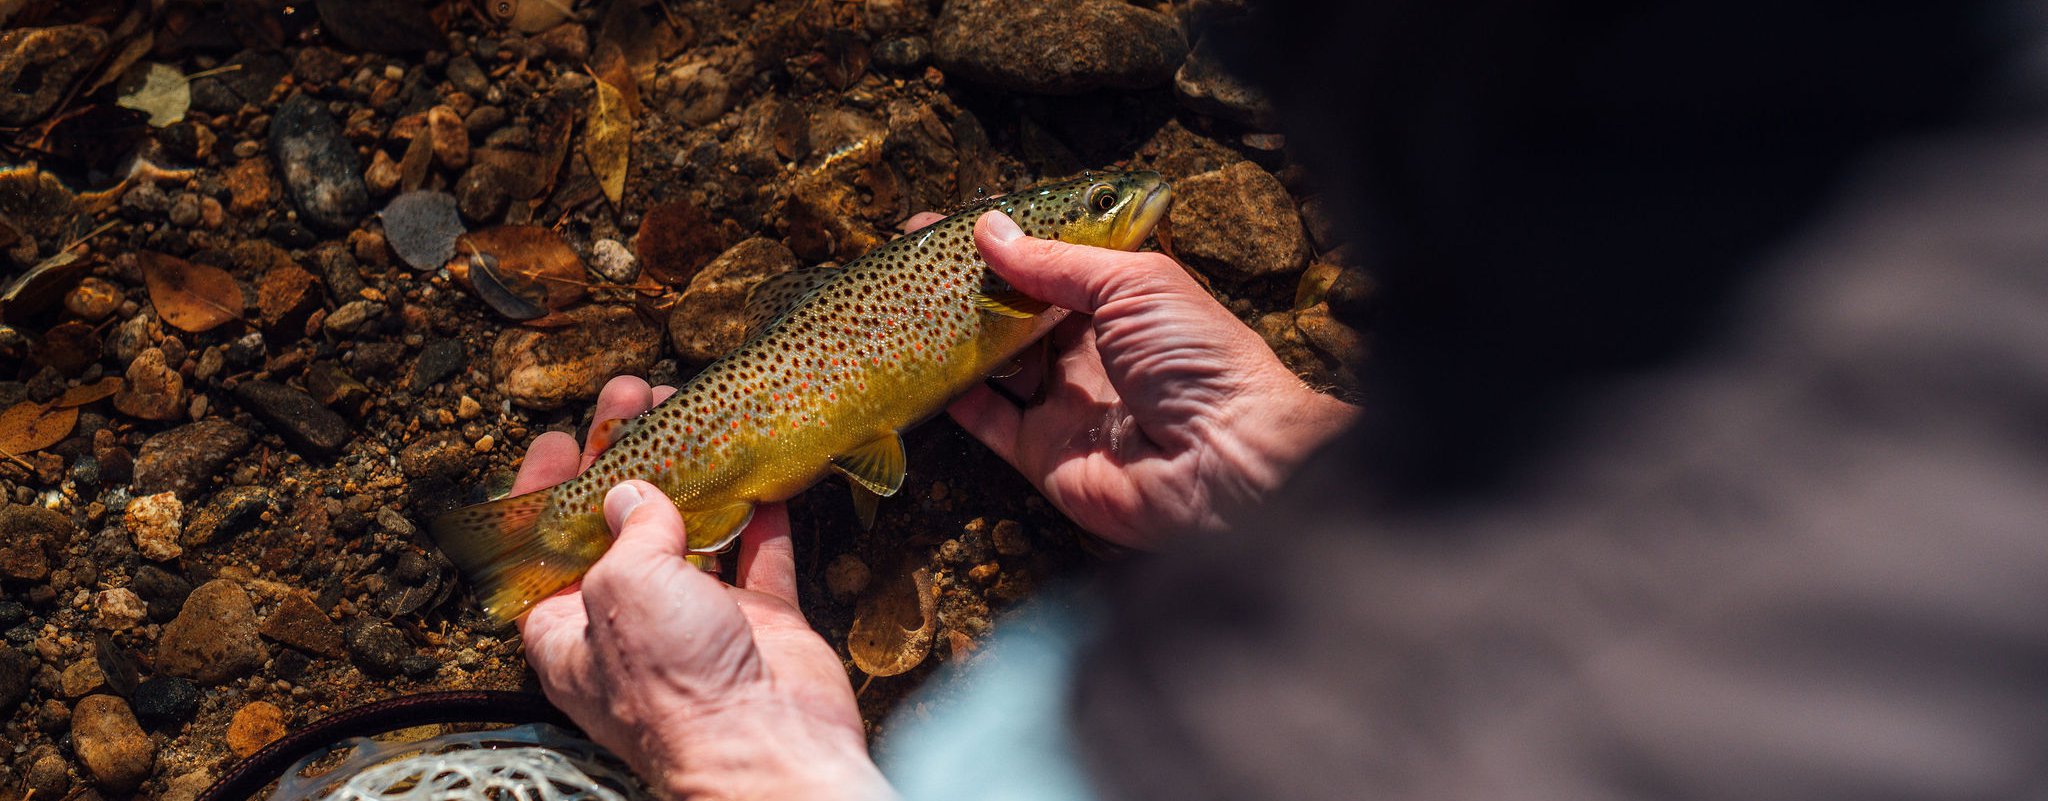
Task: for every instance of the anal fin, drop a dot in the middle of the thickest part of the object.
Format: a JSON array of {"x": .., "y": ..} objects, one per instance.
[
  {"x": 865, "y": 504},
  {"x": 711, "y": 530}
]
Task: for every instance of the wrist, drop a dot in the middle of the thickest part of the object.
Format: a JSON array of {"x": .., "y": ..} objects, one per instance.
[{"x": 757, "y": 753}]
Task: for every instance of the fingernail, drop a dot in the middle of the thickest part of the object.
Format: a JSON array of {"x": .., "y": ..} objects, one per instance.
[
  {"x": 1003, "y": 229},
  {"x": 619, "y": 504}
]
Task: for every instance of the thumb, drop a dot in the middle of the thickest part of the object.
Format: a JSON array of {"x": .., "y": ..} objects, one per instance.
[
  {"x": 645, "y": 524},
  {"x": 1076, "y": 277}
]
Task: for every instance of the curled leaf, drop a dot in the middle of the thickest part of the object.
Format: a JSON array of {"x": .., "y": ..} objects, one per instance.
[
  {"x": 483, "y": 276},
  {"x": 42, "y": 285},
  {"x": 27, "y": 427},
  {"x": 161, "y": 91},
  {"x": 607, "y": 138},
  {"x": 193, "y": 297},
  {"x": 893, "y": 624},
  {"x": 530, "y": 261},
  {"x": 422, "y": 228}
]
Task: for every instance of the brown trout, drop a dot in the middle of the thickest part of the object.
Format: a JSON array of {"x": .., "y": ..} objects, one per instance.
[{"x": 836, "y": 363}]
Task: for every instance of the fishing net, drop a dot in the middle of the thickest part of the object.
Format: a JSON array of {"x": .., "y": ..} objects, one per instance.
[{"x": 534, "y": 762}]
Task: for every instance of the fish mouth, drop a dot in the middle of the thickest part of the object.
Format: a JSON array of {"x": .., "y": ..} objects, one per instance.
[{"x": 1130, "y": 232}]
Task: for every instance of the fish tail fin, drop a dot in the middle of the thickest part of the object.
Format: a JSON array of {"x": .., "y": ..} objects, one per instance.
[{"x": 500, "y": 547}]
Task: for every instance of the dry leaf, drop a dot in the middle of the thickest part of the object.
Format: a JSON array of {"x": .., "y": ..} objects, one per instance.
[
  {"x": 162, "y": 91},
  {"x": 1315, "y": 284},
  {"x": 87, "y": 393},
  {"x": 607, "y": 139},
  {"x": 193, "y": 297},
  {"x": 676, "y": 239},
  {"x": 484, "y": 278},
  {"x": 422, "y": 228},
  {"x": 412, "y": 167},
  {"x": 42, "y": 285},
  {"x": 528, "y": 261},
  {"x": 28, "y": 426},
  {"x": 610, "y": 67},
  {"x": 893, "y": 625},
  {"x": 67, "y": 347}
]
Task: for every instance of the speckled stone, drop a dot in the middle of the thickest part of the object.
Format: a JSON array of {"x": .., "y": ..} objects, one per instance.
[{"x": 213, "y": 639}]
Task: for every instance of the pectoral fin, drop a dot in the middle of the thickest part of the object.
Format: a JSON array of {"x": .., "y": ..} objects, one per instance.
[
  {"x": 877, "y": 466},
  {"x": 711, "y": 530},
  {"x": 1009, "y": 303}
]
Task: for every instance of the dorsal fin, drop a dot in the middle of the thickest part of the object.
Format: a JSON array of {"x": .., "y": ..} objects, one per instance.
[{"x": 777, "y": 293}]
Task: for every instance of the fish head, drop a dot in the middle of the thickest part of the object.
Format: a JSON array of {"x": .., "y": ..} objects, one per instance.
[{"x": 1112, "y": 210}]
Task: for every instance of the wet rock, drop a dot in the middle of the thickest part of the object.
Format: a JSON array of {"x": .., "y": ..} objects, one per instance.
[
  {"x": 157, "y": 524},
  {"x": 230, "y": 512},
  {"x": 154, "y": 391},
  {"x": 568, "y": 43},
  {"x": 300, "y": 624},
  {"x": 17, "y": 670},
  {"x": 119, "y": 609},
  {"x": 186, "y": 459},
  {"x": 353, "y": 317},
  {"x": 549, "y": 369},
  {"x": 187, "y": 786},
  {"x": 1009, "y": 538},
  {"x": 166, "y": 701},
  {"x": 377, "y": 648},
  {"x": 482, "y": 194},
  {"x": 450, "y": 138},
  {"x": 464, "y": 73},
  {"x": 342, "y": 274},
  {"x": 82, "y": 678},
  {"x": 614, "y": 261},
  {"x": 319, "y": 65},
  {"x": 285, "y": 296},
  {"x": 1203, "y": 85},
  {"x": 110, "y": 743},
  {"x": 698, "y": 91},
  {"x": 439, "y": 460},
  {"x": 335, "y": 388},
  {"x": 304, "y": 424},
  {"x": 383, "y": 174},
  {"x": 1336, "y": 340},
  {"x": 26, "y": 535},
  {"x": 255, "y": 725},
  {"x": 1237, "y": 223},
  {"x": 49, "y": 776},
  {"x": 93, "y": 299},
  {"x": 419, "y": 667},
  {"x": 903, "y": 54},
  {"x": 1057, "y": 46},
  {"x": 440, "y": 359},
  {"x": 38, "y": 65},
  {"x": 213, "y": 638},
  {"x": 707, "y": 323},
  {"x": 163, "y": 591},
  {"x": 318, "y": 165}
]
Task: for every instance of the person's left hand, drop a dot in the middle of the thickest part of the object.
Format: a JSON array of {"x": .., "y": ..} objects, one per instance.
[{"x": 706, "y": 690}]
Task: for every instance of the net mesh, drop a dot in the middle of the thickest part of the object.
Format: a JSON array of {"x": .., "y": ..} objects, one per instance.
[{"x": 535, "y": 762}]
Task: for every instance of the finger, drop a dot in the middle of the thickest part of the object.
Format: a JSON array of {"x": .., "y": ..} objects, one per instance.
[
  {"x": 767, "y": 559},
  {"x": 549, "y": 461},
  {"x": 662, "y": 393},
  {"x": 1076, "y": 277},
  {"x": 921, "y": 219},
  {"x": 623, "y": 397},
  {"x": 551, "y": 630}
]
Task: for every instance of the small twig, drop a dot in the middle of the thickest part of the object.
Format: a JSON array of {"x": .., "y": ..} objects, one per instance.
[
  {"x": 864, "y": 687},
  {"x": 212, "y": 72},
  {"x": 24, "y": 463}
]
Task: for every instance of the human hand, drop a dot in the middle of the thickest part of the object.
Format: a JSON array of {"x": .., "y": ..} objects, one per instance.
[
  {"x": 1162, "y": 411},
  {"x": 708, "y": 691}
]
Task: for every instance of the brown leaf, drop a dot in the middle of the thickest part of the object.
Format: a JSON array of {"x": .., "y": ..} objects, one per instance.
[
  {"x": 87, "y": 393},
  {"x": 610, "y": 67},
  {"x": 893, "y": 625},
  {"x": 491, "y": 288},
  {"x": 412, "y": 167},
  {"x": 528, "y": 261},
  {"x": 42, "y": 286},
  {"x": 676, "y": 239},
  {"x": 607, "y": 139},
  {"x": 67, "y": 347},
  {"x": 193, "y": 297},
  {"x": 28, "y": 426}
]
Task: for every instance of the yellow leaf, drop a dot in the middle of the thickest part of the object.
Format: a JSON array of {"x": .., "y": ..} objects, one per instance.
[
  {"x": 607, "y": 139},
  {"x": 893, "y": 625},
  {"x": 87, "y": 393}
]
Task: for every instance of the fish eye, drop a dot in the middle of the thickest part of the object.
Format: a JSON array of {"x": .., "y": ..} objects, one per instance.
[{"x": 1102, "y": 199}]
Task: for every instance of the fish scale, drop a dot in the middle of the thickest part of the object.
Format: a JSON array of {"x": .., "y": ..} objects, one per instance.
[{"x": 838, "y": 362}]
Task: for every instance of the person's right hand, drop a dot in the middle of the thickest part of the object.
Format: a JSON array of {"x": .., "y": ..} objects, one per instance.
[{"x": 1162, "y": 413}]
